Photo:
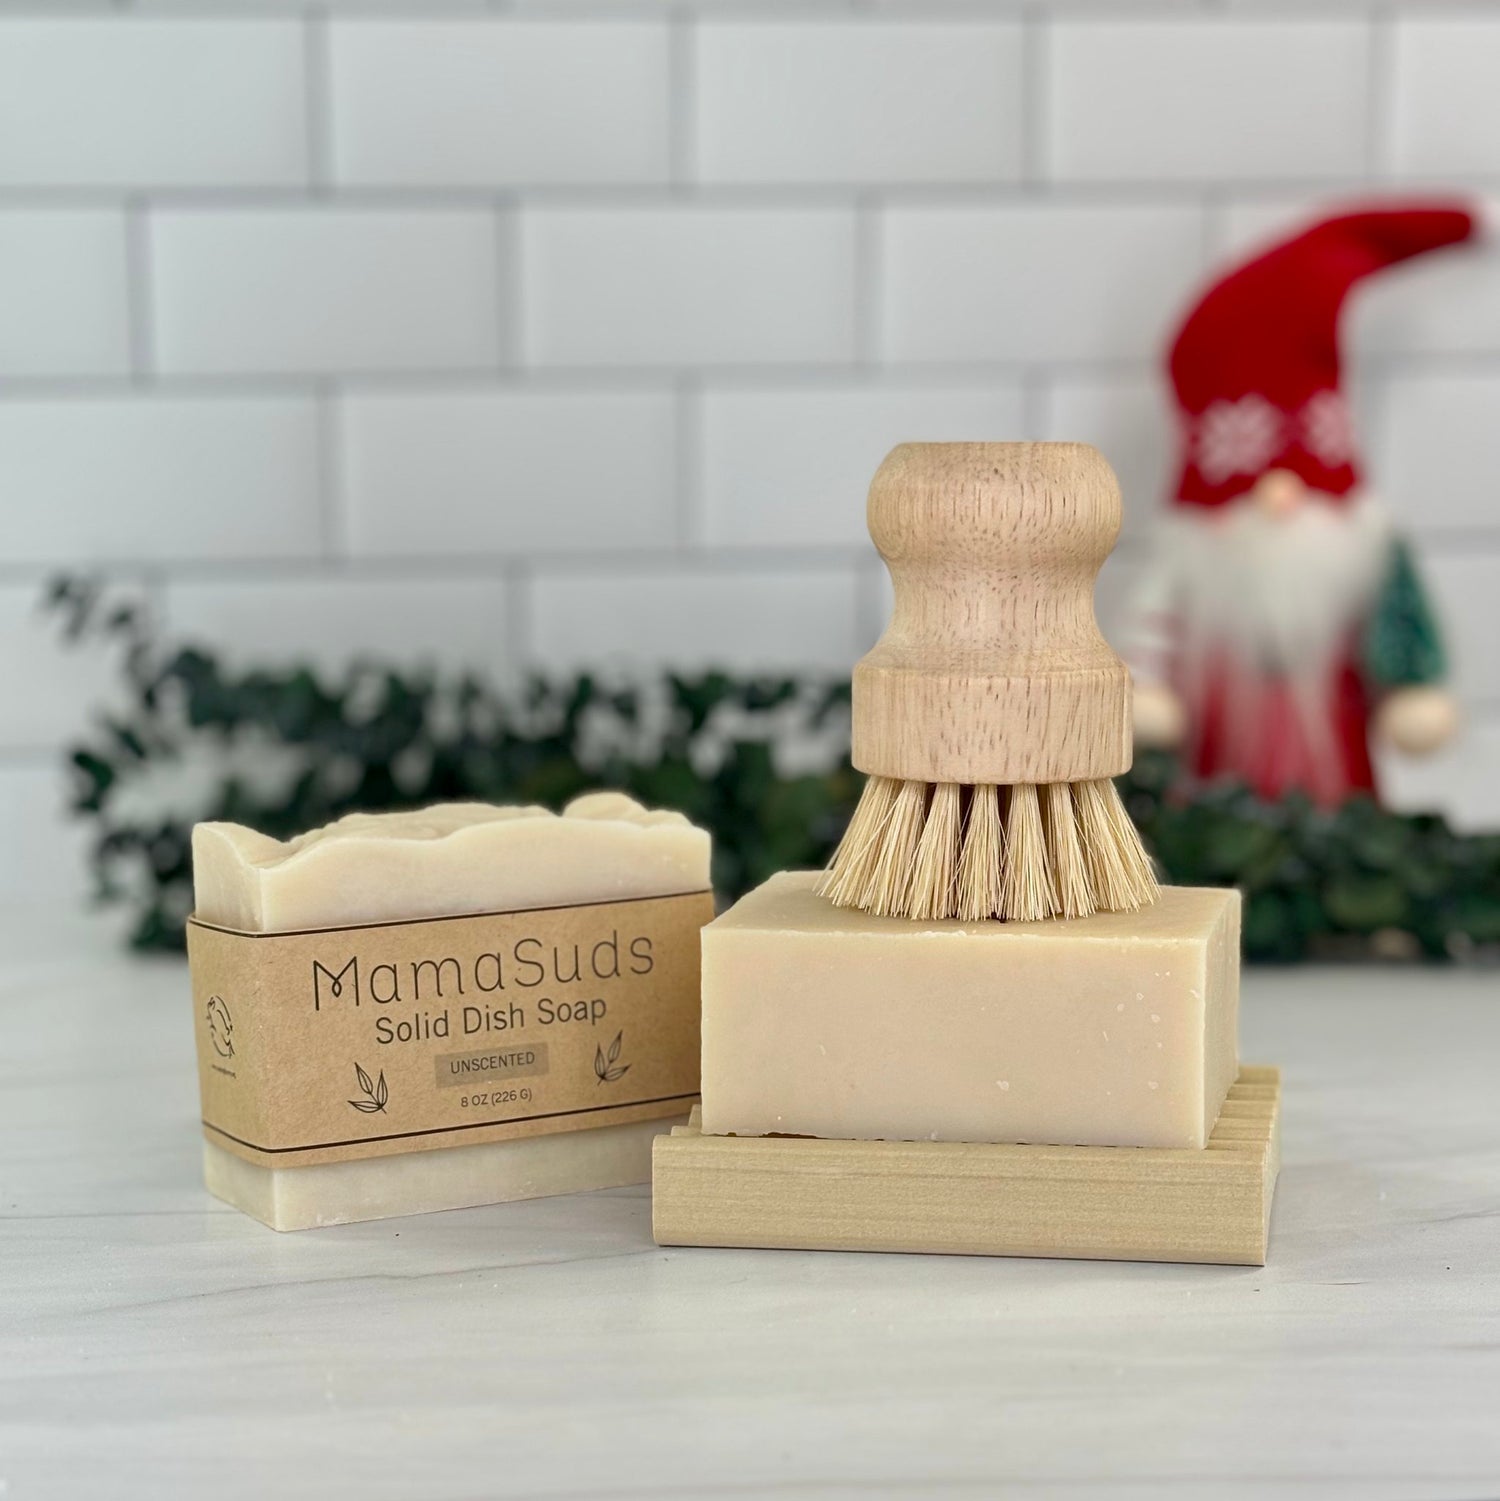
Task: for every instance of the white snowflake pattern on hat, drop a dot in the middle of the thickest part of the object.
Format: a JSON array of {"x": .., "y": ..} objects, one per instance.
[
  {"x": 1237, "y": 437},
  {"x": 1327, "y": 428}
]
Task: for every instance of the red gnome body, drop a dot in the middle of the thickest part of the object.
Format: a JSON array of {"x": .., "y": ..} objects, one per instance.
[{"x": 1281, "y": 612}]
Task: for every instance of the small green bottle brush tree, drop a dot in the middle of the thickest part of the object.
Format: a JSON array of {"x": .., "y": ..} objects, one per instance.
[{"x": 759, "y": 761}]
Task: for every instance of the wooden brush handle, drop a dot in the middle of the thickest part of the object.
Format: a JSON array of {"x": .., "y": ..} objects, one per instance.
[{"x": 992, "y": 668}]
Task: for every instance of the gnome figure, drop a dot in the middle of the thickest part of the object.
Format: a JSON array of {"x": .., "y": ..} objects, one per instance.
[{"x": 1282, "y": 621}]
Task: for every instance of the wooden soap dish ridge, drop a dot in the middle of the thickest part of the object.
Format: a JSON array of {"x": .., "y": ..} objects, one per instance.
[{"x": 974, "y": 1198}]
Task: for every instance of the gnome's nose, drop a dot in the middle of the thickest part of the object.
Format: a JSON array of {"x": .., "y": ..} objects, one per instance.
[{"x": 1279, "y": 492}]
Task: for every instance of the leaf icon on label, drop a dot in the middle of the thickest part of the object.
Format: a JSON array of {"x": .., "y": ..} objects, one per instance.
[
  {"x": 606, "y": 1068},
  {"x": 376, "y": 1094}
]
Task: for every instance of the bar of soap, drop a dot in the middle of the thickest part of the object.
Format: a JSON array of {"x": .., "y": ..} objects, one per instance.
[
  {"x": 377, "y": 1188},
  {"x": 444, "y": 861},
  {"x": 1114, "y": 1030}
]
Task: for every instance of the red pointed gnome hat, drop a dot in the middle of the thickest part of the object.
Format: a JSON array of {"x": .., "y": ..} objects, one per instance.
[{"x": 1256, "y": 363}]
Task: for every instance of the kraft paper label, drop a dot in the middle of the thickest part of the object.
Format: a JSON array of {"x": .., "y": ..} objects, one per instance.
[{"x": 340, "y": 1043}]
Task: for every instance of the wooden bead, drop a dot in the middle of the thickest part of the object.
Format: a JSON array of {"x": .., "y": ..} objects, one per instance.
[{"x": 1417, "y": 720}]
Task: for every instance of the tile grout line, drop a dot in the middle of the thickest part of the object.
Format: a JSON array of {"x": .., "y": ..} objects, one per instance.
[
  {"x": 1382, "y": 96},
  {"x": 1374, "y": 398},
  {"x": 1036, "y": 402},
  {"x": 868, "y": 291},
  {"x": 1036, "y": 94},
  {"x": 140, "y": 308},
  {"x": 317, "y": 101},
  {"x": 1477, "y": 545},
  {"x": 519, "y": 608},
  {"x": 682, "y": 98},
  {"x": 791, "y": 377},
  {"x": 156, "y": 584},
  {"x": 333, "y": 508},
  {"x": 938, "y": 13},
  {"x": 510, "y": 288},
  {"x": 644, "y": 12},
  {"x": 1215, "y": 238},
  {"x": 870, "y": 607},
  {"x": 1124, "y": 193},
  {"x": 32, "y": 755},
  {"x": 726, "y": 559},
  {"x": 688, "y": 474}
]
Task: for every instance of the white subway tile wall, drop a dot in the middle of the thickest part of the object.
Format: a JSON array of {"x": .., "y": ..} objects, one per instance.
[
  {"x": 47, "y": 684},
  {"x": 688, "y": 285},
  {"x": 446, "y": 473},
  {"x": 44, "y": 856},
  {"x": 1469, "y": 587},
  {"x": 1439, "y": 451},
  {"x": 438, "y": 622},
  {"x": 419, "y": 104},
  {"x": 63, "y": 302},
  {"x": 698, "y": 615},
  {"x": 1128, "y": 416},
  {"x": 1033, "y": 281},
  {"x": 324, "y": 290},
  {"x": 776, "y": 463},
  {"x": 153, "y": 477},
  {"x": 1446, "y": 109},
  {"x": 147, "y": 102},
  {"x": 550, "y": 333},
  {"x": 878, "y": 103},
  {"x": 1207, "y": 99}
]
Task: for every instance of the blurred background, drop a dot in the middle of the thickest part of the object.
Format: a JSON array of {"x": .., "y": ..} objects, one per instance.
[{"x": 564, "y": 334}]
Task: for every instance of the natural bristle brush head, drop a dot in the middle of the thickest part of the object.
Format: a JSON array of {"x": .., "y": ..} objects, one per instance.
[
  {"x": 1018, "y": 853},
  {"x": 991, "y": 715}
]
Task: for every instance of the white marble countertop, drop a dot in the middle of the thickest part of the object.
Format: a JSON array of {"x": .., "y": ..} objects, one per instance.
[{"x": 154, "y": 1343}]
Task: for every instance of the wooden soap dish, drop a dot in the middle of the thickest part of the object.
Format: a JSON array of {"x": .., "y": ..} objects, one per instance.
[{"x": 959, "y": 1198}]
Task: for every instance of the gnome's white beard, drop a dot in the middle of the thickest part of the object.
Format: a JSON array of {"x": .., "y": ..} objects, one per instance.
[
  {"x": 1281, "y": 592},
  {"x": 1248, "y": 597}
]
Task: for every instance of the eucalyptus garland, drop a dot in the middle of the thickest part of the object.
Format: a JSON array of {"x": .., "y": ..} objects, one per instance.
[{"x": 759, "y": 761}]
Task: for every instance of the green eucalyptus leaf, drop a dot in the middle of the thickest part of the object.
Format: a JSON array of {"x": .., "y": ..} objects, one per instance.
[{"x": 1362, "y": 903}]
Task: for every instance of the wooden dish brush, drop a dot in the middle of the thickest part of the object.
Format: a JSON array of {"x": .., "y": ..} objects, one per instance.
[{"x": 992, "y": 714}]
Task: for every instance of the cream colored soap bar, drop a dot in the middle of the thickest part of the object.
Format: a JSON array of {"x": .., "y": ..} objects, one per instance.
[
  {"x": 448, "y": 860},
  {"x": 444, "y": 861},
  {"x": 1114, "y": 1030}
]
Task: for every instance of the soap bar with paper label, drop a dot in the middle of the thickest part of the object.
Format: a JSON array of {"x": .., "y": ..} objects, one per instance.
[{"x": 461, "y": 1005}]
